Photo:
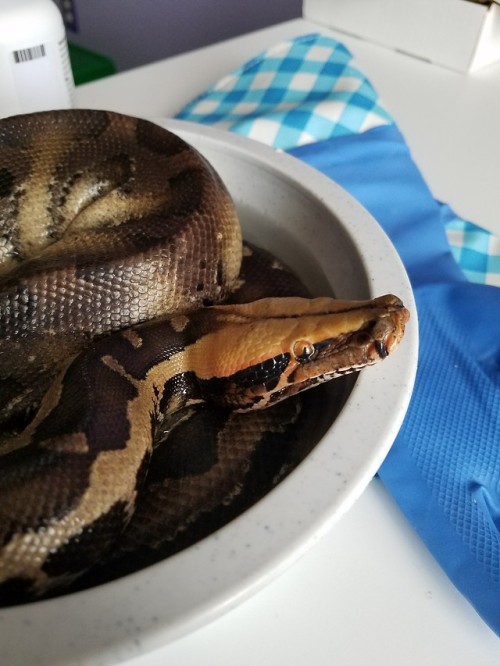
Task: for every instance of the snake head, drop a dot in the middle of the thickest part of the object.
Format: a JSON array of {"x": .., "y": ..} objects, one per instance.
[{"x": 275, "y": 348}]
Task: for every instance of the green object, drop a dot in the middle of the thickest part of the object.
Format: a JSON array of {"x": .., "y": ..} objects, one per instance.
[{"x": 89, "y": 66}]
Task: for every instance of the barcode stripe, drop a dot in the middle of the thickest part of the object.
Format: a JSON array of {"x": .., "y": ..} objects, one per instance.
[{"x": 24, "y": 55}]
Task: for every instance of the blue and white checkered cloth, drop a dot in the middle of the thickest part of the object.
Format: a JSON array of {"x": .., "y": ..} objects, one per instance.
[
  {"x": 298, "y": 92},
  {"x": 306, "y": 90},
  {"x": 476, "y": 250}
]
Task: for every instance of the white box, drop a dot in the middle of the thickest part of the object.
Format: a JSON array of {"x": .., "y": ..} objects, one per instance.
[{"x": 459, "y": 34}]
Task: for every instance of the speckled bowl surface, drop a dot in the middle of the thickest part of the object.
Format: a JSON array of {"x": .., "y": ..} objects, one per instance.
[{"x": 334, "y": 245}]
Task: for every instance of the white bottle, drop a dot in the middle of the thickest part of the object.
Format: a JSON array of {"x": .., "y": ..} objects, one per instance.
[{"x": 35, "y": 71}]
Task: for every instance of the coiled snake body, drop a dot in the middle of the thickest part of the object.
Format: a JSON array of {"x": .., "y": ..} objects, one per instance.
[{"x": 118, "y": 242}]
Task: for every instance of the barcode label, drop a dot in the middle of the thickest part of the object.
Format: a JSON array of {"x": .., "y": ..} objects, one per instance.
[{"x": 25, "y": 55}]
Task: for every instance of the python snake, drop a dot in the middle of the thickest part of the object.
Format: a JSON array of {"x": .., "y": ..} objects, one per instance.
[{"x": 119, "y": 245}]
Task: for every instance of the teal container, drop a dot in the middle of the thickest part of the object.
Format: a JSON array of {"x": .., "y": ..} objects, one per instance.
[{"x": 89, "y": 66}]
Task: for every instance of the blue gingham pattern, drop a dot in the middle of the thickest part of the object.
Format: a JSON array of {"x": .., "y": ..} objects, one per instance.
[
  {"x": 305, "y": 90},
  {"x": 297, "y": 92},
  {"x": 476, "y": 250}
]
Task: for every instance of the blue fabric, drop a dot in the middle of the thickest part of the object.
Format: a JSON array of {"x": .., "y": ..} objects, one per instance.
[
  {"x": 444, "y": 468},
  {"x": 306, "y": 96}
]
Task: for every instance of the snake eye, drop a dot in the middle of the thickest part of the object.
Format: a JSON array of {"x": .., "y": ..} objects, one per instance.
[{"x": 303, "y": 350}]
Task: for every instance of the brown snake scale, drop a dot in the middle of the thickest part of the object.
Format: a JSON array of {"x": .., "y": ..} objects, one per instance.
[
  {"x": 128, "y": 174},
  {"x": 117, "y": 243}
]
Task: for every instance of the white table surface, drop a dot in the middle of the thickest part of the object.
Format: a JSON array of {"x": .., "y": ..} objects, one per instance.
[{"x": 368, "y": 592}]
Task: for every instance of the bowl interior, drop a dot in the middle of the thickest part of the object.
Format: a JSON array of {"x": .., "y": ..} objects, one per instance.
[{"x": 283, "y": 216}]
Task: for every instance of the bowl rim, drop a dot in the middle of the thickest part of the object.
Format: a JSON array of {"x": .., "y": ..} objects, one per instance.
[{"x": 195, "y": 586}]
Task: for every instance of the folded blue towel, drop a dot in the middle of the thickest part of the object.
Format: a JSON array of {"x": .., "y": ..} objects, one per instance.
[{"x": 444, "y": 468}]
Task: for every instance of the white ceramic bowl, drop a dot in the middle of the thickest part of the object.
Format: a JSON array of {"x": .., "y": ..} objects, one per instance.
[{"x": 334, "y": 244}]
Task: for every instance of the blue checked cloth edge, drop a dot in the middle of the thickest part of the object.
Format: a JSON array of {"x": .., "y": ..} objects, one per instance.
[{"x": 305, "y": 90}]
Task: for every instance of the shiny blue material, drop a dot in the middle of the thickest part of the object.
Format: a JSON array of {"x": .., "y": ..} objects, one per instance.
[{"x": 444, "y": 468}]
